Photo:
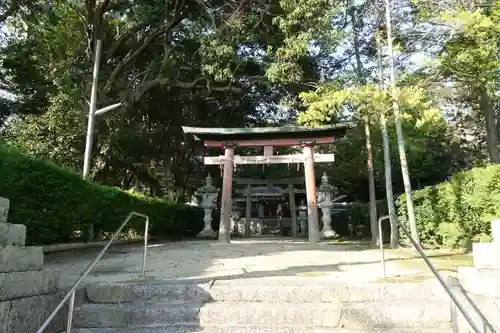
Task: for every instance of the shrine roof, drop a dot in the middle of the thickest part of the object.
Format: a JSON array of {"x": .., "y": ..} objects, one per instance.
[{"x": 259, "y": 133}]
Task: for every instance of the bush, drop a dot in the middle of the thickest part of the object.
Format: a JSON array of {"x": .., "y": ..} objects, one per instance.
[
  {"x": 56, "y": 205},
  {"x": 355, "y": 220},
  {"x": 458, "y": 211}
]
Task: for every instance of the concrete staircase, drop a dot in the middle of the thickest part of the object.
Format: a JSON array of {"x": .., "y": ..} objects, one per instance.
[{"x": 299, "y": 306}]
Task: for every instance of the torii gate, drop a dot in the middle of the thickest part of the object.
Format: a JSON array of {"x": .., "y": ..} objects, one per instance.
[{"x": 268, "y": 138}]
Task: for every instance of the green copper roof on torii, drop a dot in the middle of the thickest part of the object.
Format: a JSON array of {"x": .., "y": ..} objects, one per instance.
[{"x": 203, "y": 133}]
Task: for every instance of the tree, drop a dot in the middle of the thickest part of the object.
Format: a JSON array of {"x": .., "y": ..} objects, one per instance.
[
  {"x": 399, "y": 130},
  {"x": 387, "y": 158},
  {"x": 466, "y": 46},
  {"x": 208, "y": 58}
]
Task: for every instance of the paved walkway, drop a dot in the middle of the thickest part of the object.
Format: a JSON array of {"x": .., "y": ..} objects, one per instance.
[{"x": 242, "y": 259}]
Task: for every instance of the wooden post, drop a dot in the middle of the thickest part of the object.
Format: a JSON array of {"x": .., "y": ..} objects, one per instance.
[
  {"x": 226, "y": 200},
  {"x": 293, "y": 210},
  {"x": 312, "y": 206},
  {"x": 248, "y": 210}
]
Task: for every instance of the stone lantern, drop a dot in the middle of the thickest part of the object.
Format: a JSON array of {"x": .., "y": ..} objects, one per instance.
[
  {"x": 302, "y": 218},
  {"x": 208, "y": 194},
  {"x": 326, "y": 191},
  {"x": 237, "y": 227}
]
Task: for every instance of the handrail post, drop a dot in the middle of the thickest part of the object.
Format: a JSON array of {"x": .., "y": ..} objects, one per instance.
[
  {"x": 145, "y": 252},
  {"x": 70, "y": 312},
  {"x": 70, "y": 295},
  {"x": 381, "y": 242}
]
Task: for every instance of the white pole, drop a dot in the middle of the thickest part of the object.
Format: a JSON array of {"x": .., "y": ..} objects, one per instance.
[
  {"x": 90, "y": 127},
  {"x": 107, "y": 109}
]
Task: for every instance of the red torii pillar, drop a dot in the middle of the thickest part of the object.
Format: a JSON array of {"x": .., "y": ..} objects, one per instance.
[{"x": 312, "y": 205}]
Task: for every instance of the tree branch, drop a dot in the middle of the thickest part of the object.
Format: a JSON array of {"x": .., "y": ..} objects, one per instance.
[
  {"x": 126, "y": 35},
  {"x": 195, "y": 84},
  {"x": 119, "y": 68},
  {"x": 198, "y": 83}
]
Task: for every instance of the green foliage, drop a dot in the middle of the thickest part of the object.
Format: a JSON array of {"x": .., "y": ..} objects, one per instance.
[
  {"x": 472, "y": 52},
  {"x": 367, "y": 101},
  {"x": 458, "y": 211},
  {"x": 56, "y": 205},
  {"x": 355, "y": 220},
  {"x": 433, "y": 155},
  {"x": 58, "y": 134}
]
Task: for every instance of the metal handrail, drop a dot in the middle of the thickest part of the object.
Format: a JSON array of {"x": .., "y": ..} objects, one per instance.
[
  {"x": 486, "y": 323},
  {"x": 431, "y": 266},
  {"x": 70, "y": 295}
]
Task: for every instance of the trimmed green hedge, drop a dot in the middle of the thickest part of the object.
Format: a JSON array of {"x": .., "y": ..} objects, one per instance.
[
  {"x": 56, "y": 205},
  {"x": 458, "y": 211}
]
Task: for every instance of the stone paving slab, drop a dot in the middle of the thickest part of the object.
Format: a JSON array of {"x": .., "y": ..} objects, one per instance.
[
  {"x": 359, "y": 315},
  {"x": 4, "y": 210},
  {"x": 15, "y": 313},
  {"x": 134, "y": 314},
  {"x": 480, "y": 281},
  {"x": 253, "y": 290},
  {"x": 486, "y": 255},
  {"x": 23, "y": 284},
  {"x": 18, "y": 259},
  {"x": 132, "y": 292},
  {"x": 325, "y": 291},
  {"x": 12, "y": 234}
]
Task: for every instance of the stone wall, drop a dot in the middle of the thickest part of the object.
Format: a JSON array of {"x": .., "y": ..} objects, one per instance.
[{"x": 28, "y": 293}]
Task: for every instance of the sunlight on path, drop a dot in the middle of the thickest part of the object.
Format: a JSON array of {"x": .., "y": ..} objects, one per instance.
[{"x": 242, "y": 259}]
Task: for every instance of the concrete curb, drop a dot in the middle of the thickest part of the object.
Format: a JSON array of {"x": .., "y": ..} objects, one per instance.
[{"x": 78, "y": 246}]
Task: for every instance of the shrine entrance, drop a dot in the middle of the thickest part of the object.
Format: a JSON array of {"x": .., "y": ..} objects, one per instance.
[
  {"x": 268, "y": 138},
  {"x": 273, "y": 204}
]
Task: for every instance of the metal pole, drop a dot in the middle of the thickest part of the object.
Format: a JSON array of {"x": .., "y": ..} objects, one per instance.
[
  {"x": 145, "y": 253},
  {"x": 107, "y": 109},
  {"x": 71, "y": 308},
  {"x": 90, "y": 126},
  {"x": 381, "y": 243}
]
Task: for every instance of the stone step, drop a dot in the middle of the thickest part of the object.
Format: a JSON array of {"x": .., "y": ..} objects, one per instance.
[
  {"x": 19, "y": 259},
  {"x": 480, "y": 281},
  {"x": 254, "y": 329},
  {"x": 356, "y": 315},
  {"x": 285, "y": 292},
  {"x": 31, "y": 283},
  {"x": 12, "y": 234},
  {"x": 486, "y": 255}
]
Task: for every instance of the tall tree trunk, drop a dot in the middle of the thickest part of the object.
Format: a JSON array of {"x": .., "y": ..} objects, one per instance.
[
  {"x": 371, "y": 186},
  {"x": 369, "y": 153},
  {"x": 488, "y": 111},
  {"x": 387, "y": 156},
  {"x": 399, "y": 128}
]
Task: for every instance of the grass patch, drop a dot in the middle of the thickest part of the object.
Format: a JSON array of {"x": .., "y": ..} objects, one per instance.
[
  {"x": 404, "y": 279},
  {"x": 444, "y": 260}
]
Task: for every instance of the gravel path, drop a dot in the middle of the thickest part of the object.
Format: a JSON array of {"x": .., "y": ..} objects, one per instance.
[{"x": 275, "y": 259}]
